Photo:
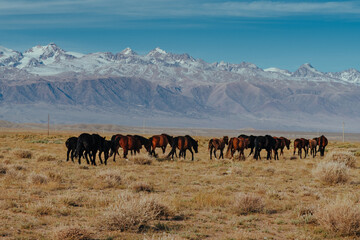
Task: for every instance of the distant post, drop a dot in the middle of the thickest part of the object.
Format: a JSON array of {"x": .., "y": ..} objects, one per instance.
[
  {"x": 343, "y": 132},
  {"x": 48, "y": 124}
]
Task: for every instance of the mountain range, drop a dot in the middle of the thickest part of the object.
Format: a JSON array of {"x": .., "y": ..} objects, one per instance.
[{"x": 172, "y": 90}]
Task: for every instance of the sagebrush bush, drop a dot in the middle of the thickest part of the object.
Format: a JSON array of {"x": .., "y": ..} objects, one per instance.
[
  {"x": 37, "y": 178},
  {"x": 248, "y": 203},
  {"x": 343, "y": 157},
  {"x": 142, "y": 187},
  {"x": 142, "y": 159},
  {"x": 332, "y": 172},
  {"x": 23, "y": 153},
  {"x": 132, "y": 212},
  {"x": 45, "y": 158},
  {"x": 72, "y": 233},
  {"x": 342, "y": 217},
  {"x": 111, "y": 178}
]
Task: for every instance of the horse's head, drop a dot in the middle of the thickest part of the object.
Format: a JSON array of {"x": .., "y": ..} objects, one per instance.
[
  {"x": 226, "y": 139},
  {"x": 287, "y": 143},
  {"x": 195, "y": 146},
  {"x": 106, "y": 147}
]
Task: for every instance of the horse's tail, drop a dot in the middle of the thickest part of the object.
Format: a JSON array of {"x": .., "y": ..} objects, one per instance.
[
  {"x": 210, "y": 144},
  {"x": 229, "y": 147}
]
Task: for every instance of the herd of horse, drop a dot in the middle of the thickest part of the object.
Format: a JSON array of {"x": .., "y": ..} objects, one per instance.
[
  {"x": 269, "y": 143},
  {"x": 89, "y": 145}
]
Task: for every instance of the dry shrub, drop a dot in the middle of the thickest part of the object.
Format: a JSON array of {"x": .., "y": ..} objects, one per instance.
[
  {"x": 73, "y": 199},
  {"x": 23, "y": 154},
  {"x": 133, "y": 212},
  {"x": 248, "y": 203},
  {"x": 341, "y": 217},
  {"x": 142, "y": 187},
  {"x": 46, "y": 158},
  {"x": 3, "y": 169},
  {"x": 19, "y": 167},
  {"x": 73, "y": 233},
  {"x": 332, "y": 172},
  {"x": 306, "y": 214},
  {"x": 210, "y": 199},
  {"x": 142, "y": 160},
  {"x": 343, "y": 157},
  {"x": 37, "y": 178},
  {"x": 56, "y": 177},
  {"x": 111, "y": 178},
  {"x": 42, "y": 208}
]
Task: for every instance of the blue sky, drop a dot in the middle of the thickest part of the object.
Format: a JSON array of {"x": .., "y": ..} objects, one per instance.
[{"x": 282, "y": 34}]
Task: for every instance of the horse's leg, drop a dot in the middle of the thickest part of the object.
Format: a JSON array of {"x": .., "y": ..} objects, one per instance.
[
  {"x": 163, "y": 149},
  {"x": 67, "y": 154},
  {"x": 221, "y": 153},
  {"x": 94, "y": 158},
  {"x": 101, "y": 161},
  {"x": 86, "y": 157},
  {"x": 211, "y": 149},
  {"x": 215, "y": 153},
  {"x": 192, "y": 154}
]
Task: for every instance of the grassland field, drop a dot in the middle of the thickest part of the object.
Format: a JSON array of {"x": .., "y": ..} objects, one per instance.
[{"x": 44, "y": 197}]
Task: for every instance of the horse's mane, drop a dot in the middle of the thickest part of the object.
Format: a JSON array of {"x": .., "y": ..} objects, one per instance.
[{"x": 169, "y": 138}]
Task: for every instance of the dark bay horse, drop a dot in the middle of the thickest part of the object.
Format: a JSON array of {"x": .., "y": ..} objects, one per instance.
[
  {"x": 312, "y": 146},
  {"x": 305, "y": 146},
  {"x": 218, "y": 144},
  {"x": 322, "y": 143},
  {"x": 184, "y": 143},
  {"x": 144, "y": 142},
  {"x": 126, "y": 143},
  {"x": 237, "y": 144},
  {"x": 160, "y": 141},
  {"x": 298, "y": 144},
  {"x": 71, "y": 147},
  {"x": 251, "y": 142},
  {"x": 115, "y": 145},
  {"x": 276, "y": 147},
  {"x": 284, "y": 143}
]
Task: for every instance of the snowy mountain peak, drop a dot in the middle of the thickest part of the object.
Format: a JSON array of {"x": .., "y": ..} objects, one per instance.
[
  {"x": 278, "y": 70},
  {"x": 157, "y": 52},
  {"x": 307, "y": 70},
  {"x": 128, "y": 51}
]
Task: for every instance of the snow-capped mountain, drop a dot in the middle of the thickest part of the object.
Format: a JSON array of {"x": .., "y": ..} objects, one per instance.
[{"x": 173, "y": 90}]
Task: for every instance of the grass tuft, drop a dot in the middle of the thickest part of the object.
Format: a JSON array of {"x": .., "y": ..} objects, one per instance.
[
  {"x": 46, "y": 158},
  {"x": 341, "y": 217},
  {"x": 22, "y": 153},
  {"x": 332, "y": 172},
  {"x": 342, "y": 157},
  {"x": 248, "y": 203},
  {"x": 111, "y": 178},
  {"x": 73, "y": 233},
  {"x": 142, "y": 187},
  {"x": 37, "y": 178}
]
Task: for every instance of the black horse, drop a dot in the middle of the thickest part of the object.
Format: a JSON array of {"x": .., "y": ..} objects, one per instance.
[
  {"x": 71, "y": 147},
  {"x": 184, "y": 143},
  {"x": 264, "y": 142},
  {"x": 144, "y": 142},
  {"x": 90, "y": 144},
  {"x": 251, "y": 142}
]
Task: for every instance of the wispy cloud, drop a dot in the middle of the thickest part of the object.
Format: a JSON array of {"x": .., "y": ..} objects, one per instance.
[
  {"x": 184, "y": 8},
  {"x": 119, "y": 13}
]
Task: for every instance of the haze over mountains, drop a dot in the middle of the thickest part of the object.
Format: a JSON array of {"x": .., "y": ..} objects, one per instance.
[{"x": 172, "y": 90}]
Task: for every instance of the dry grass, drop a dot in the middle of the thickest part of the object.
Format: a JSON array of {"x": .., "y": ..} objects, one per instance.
[
  {"x": 73, "y": 233},
  {"x": 332, "y": 172},
  {"x": 38, "y": 178},
  {"x": 23, "y": 154},
  {"x": 142, "y": 159},
  {"x": 248, "y": 203},
  {"x": 132, "y": 213},
  {"x": 46, "y": 157},
  {"x": 343, "y": 157},
  {"x": 341, "y": 217},
  {"x": 3, "y": 169},
  {"x": 181, "y": 199},
  {"x": 142, "y": 187},
  {"x": 110, "y": 178}
]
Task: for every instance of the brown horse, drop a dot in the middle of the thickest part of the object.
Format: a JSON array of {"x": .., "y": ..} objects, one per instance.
[
  {"x": 322, "y": 143},
  {"x": 312, "y": 146},
  {"x": 160, "y": 141},
  {"x": 126, "y": 143},
  {"x": 115, "y": 145},
  {"x": 218, "y": 144},
  {"x": 305, "y": 145},
  {"x": 237, "y": 144},
  {"x": 284, "y": 143},
  {"x": 298, "y": 144},
  {"x": 184, "y": 143}
]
